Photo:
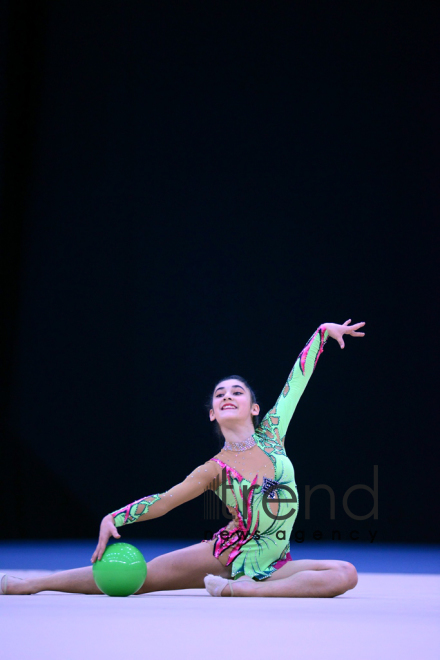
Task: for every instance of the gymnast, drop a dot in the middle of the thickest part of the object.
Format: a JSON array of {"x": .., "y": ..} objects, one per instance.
[{"x": 255, "y": 479}]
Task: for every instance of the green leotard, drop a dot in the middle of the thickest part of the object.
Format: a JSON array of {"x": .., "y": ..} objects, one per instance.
[{"x": 256, "y": 484}]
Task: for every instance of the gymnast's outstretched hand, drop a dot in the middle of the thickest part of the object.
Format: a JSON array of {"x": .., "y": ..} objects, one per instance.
[
  {"x": 337, "y": 331},
  {"x": 106, "y": 530}
]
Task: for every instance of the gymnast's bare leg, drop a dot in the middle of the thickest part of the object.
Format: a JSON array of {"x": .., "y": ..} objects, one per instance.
[
  {"x": 186, "y": 569},
  {"x": 181, "y": 569},
  {"x": 304, "y": 578}
]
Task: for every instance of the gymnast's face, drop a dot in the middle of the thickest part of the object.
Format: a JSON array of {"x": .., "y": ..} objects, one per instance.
[{"x": 231, "y": 403}]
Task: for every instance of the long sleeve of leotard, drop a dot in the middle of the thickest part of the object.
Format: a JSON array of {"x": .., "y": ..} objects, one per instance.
[
  {"x": 204, "y": 477},
  {"x": 278, "y": 418}
]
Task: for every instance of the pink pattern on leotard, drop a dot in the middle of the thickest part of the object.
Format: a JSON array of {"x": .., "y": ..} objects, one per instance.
[
  {"x": 243, "y": 533},
  {"x": 281, "y": 562},
  {"x": 305, "y": 350}
]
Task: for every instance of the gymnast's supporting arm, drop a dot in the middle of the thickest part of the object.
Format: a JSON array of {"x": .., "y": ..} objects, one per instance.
[{"x": 203, "y": 478}]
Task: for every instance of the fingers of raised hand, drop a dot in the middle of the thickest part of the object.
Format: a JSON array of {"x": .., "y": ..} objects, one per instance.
[
  {"x": 355, "y": 327},
  {"x": 351, "y": 330}
]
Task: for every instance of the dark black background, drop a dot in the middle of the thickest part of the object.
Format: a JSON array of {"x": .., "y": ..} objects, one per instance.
[{"x": 189, "y": 190}]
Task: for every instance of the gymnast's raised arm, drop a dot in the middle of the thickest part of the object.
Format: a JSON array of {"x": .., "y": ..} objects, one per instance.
[{"x": 278, "y": 418}]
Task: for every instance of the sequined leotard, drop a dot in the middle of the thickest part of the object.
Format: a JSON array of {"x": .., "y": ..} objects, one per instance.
[{"x": 256, "y": 485}]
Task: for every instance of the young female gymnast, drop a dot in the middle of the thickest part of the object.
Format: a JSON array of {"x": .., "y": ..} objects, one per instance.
[{"x": 256, "y": 481}]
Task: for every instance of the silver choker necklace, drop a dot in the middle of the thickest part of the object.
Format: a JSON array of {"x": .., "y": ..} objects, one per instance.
[{"x": 240, "y": 446}]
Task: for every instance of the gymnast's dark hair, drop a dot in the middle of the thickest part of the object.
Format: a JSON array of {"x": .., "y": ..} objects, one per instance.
[{"x": 255, "y": 418}]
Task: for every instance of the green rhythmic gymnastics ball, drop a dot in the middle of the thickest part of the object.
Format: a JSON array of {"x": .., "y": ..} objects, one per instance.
[{"x": 121, "y": 571}]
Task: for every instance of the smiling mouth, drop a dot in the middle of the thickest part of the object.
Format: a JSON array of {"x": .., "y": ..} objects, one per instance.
[{"x": 229, "y": 406}]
